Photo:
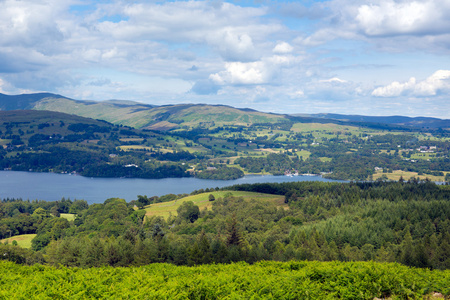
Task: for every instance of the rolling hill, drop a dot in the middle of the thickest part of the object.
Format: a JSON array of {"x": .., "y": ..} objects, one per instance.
[
  {"x": 140, "y": 115},
  {"x": 167, "y": 117},
  {"x": 420, "y": 122}
]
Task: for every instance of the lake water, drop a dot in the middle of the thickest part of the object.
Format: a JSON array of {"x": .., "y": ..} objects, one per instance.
[{"x": 52, "y": 187}]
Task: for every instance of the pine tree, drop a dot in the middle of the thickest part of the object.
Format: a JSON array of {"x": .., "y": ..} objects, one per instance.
[{"x": 234, "y": 237}]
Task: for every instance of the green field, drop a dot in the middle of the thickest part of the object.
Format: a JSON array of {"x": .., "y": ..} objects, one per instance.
[
  {"x": 23, "y": 240},
  {"x": 69, "y": 217},
  {"x": 395, "y": 176},
  {"x": 166, "y": 209},
  {"x": 423, "y": 156}
]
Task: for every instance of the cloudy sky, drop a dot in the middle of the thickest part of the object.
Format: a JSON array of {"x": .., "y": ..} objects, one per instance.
[{"x": 379, "y": 57}]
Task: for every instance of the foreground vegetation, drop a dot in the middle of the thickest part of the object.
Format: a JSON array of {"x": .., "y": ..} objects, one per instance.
[{"x": 263, "y": 280}]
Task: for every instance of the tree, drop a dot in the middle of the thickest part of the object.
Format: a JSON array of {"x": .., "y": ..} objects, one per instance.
[
  {"x": 54, "y": 211},
  {"x": 40, "y": 213},
  {"x": 188, "y": 211},
  {"x": 234, "y": 237},
  {"x": 200, "y": 253},
  {"x": 78, "y": 206},
  {"x": 211, "y": 197},
  {"x": 142, "y": 201}
]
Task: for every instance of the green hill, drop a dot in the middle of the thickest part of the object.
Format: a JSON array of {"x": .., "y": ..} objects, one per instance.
[
  {"x": 160, "y": 117},
  {"x": 23, "y": 240},
  {"x": 139, "y": 115},
  {"x": 130, "y": 114},
  {"x": 23, "y": 101},
  {"x": 166, "y": 209},
  {"x": 48, "y": 141}
]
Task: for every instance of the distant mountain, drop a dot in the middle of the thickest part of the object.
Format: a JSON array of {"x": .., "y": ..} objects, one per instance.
[
  {"x": 166, "y": 117},
  {"x": 23, "y": 101},
  {"x": 141, "y": 115},
  {"x": 421, "y": 122}
]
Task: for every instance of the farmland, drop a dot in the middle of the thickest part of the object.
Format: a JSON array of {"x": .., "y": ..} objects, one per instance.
[{"x": 167, "y": 209}]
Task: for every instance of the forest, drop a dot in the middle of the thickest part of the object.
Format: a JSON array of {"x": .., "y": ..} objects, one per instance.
[
  {"x": 312, "y": 240},
  {"x": 404, "y": 222}
]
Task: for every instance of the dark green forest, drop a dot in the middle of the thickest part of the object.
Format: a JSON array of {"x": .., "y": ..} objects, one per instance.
[{"x": 405, "y": 222}]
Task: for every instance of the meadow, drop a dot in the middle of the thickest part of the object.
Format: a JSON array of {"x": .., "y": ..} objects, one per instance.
[
  {"x": 23, "y": 240},
  {"x": 167, "y": 209}
]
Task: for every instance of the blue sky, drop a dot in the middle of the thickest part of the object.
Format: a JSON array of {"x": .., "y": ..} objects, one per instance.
[{"x": 382, "y": 57}]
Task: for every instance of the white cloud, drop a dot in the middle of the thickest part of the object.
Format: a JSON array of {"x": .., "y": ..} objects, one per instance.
[
  {"x": 334, "y": 80},
  {"x": 31, "y": 23},
  {"x": 388, "y": 17},
  {"x": 2, "y": 83},
  {"x": 148, "y": 50},
  {"x": 243, "y": 73},
  {"x": 264, "y": 71},
  {"x": 297, "y": 94},
  {"x": 283, "y": 48},
  {"x": 233, "y": 46},
  {"x": 436, "y": 83},
  {"x": 227, "y": 28},
  {"x": 394, "y": 89},
  {"x": 390, "y": 25}
]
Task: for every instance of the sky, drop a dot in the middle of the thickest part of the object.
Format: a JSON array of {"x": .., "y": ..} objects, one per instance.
[{"x": 377, "y": 58}]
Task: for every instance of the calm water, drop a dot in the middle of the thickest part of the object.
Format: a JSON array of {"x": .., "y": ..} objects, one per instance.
[{"x": 52, "y": 187}]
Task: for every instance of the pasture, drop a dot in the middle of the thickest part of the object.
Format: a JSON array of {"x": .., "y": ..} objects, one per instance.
[{"x": 166, "y": 209}]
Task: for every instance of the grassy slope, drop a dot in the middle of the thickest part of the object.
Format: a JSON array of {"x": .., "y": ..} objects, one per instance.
[
  {"x": 396, "y": 174},
  {"x": 23, "y": 240},
  {"x": 166, "y": 209},
  {"x": 27, "y": 119},
  {"x": 69, "y": 217},
  {"x": 162, "y": 117},
  {"x": 134, "y": 115},
  {"x": 225, "y": 115},
  {"x": 33, "y": 116}
]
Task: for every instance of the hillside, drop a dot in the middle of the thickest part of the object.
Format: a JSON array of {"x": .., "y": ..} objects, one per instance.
[
  {"x": 161, "y": 117},
  {"x": 48, "y": 141},
  {"x": 418, "y": 122},
  {"x": 185, "y": 116},
  {"x": 166, "y": 209},
  {"x": 23, "y": 101},
  {"x": 138, "y": 115}
]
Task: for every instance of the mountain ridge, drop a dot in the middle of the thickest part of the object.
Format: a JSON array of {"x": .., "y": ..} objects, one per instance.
[{"x": 176, "y": 116}]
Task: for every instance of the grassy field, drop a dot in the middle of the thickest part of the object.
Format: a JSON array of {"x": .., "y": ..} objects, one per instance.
[
  {"x": 325, "y": 159},
  {"x": 23, "y": 240},
  {"x": 395, "y": 175},
  {"x": 135, "y": 147},
  {"x": 166, "y": 209},
  {"x": 303, "y": 153},
  {"x": 423, "y": 156},
  {"x": 69, "y": 217}
]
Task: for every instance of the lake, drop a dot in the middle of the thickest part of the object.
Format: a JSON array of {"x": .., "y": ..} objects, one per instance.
[{"x": 52, "y": 187}]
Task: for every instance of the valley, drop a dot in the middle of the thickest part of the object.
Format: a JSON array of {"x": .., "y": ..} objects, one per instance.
[
  {"x": 390, "y": 211},
  {"x": 212, "y": 142}
]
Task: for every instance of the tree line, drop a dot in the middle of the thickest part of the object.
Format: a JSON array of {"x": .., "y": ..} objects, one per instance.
[{"x": 387, "y": 222}]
